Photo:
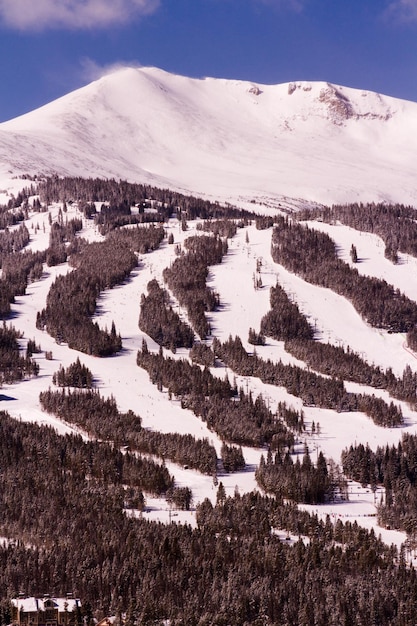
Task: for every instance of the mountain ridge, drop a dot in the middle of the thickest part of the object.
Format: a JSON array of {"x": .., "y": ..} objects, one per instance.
[{"x": 236, "y": 141}]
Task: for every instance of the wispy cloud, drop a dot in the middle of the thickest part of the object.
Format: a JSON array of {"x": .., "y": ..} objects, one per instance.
[
  {"x": 90, "y": 70},
  {"x": 75, "y": 14},
  {"x": 402, "y": 10}
]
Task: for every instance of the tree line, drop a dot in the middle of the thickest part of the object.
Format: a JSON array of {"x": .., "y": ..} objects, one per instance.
[
  {"x": 101, "y": 419},
  {"x": 13, "y": 365},
  {"x": 62, "y": 239},
  {"x": 119, "y": 193},
  {"x": 187, "y": 276},
  {"x": 285, "y": 322},
  {"x": 158, "y": 319},
  {"x": 17, "y": 208},
  {"x": 395, "y": 468},
  {"x": 225, "y": 228},
  {"x": 13, "y": 241},
  {"x": 394, "y": 223},
  {"x": 312, "y": 255},
  {"x": 313, "y": 389},
  {"x": 19, "y": 269},
  {"x": 23, "y": 267},
  {"x": 231, "y": 413},
  {"x": 301, "y": 481},
  {"x": 71, "y": 300}
]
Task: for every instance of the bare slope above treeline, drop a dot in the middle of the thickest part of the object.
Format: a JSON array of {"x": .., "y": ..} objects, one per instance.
[{"x": 232, "y": 140}]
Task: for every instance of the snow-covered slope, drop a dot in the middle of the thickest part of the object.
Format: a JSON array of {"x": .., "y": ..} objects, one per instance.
[
  {"x": 230, "y": 140},
  {"x": 242, "y": 307}
]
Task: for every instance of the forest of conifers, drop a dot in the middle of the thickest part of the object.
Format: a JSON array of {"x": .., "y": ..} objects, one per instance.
[{"x": 71, "y": 507}]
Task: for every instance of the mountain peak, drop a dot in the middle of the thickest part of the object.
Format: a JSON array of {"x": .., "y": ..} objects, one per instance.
[{"x": 237, "y": 141}]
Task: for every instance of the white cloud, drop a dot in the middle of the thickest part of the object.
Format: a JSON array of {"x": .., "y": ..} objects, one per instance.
[
  {"x": 403, "y": 10},
  {"x": 77, "y": 14}
]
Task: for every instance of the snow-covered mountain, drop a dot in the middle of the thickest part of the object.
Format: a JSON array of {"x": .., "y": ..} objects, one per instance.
[{"x": 231, "y": 140}]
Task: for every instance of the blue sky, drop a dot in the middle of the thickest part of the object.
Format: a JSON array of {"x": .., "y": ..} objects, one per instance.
[{"x": 50, "y": 47}]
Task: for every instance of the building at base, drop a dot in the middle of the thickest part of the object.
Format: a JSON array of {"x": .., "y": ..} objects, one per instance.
[{"x": 46, "y": 611}]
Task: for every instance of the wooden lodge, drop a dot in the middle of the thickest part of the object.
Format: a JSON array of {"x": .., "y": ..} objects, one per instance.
[{"x": 46, "y": 611}]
